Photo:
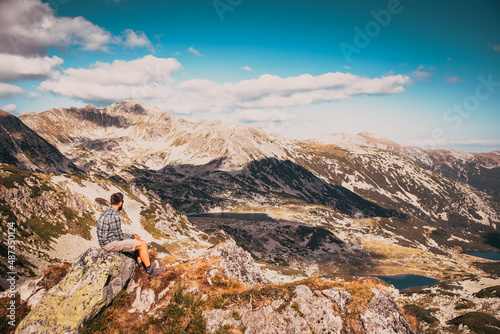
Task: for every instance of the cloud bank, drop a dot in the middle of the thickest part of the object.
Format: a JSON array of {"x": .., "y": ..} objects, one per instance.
[
  {"x": 29, "y": 27},
  {"x": 16, "y": 68},
  {"x": 145, "y": 78},
  {"x": 7, "y": 90},
  {"x": 151, "y": 79}
]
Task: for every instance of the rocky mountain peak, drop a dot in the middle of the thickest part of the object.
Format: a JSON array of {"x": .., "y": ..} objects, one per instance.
[{"x": 135, "y": 133}]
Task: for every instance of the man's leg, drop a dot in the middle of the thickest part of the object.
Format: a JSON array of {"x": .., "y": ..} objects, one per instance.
[
  {"x": 152, "y": 270},
  {"x": 137, "y": 257},
  {"x": 142, "y": 248}
]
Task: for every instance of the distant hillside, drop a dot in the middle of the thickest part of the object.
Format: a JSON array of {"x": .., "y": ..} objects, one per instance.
[{"x": 480, "y": 170}]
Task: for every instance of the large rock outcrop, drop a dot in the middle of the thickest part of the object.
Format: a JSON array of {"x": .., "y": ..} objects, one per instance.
[
  {"x": 312, "y": 312},
  {"x": 91, "y": 283},
  {"x": 237, "y": 263},
  {"x": 383, "y": 316}
]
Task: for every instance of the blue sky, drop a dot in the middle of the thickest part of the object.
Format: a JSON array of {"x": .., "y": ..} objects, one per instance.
[{"x": 418, "y": 72}]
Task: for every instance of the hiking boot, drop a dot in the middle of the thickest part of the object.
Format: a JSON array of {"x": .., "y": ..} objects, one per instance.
[
  {"x": 154, "y": 265},
  {"x": 155, "y": 272}
]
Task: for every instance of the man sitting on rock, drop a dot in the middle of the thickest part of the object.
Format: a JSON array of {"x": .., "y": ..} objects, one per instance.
[{"x": 112, "y": 239}]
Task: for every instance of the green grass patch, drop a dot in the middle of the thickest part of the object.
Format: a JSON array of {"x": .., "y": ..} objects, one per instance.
[
  {"x": 182, "y": 310},
  {"x": 491, "y": 292},
  {"x": 102, "y": 201},
  {"x": 149, "y": 220},
  {"x": 223, "y": 330},
  {"x": 218, "y": 301},
  {"x": 478, "y": 322},
  {"x": 464, "y": 304},
  {"x": 420, "y": 313},
  {"x": 236, "y": 315},
  {"x": 15, "y": 176}
]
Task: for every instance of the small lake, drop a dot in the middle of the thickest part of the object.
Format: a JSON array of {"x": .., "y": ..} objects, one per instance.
[
  {"x": 406, "y": 281},
  {"x": 495, "y": 256},
  {"x": 253, "y": 216}
]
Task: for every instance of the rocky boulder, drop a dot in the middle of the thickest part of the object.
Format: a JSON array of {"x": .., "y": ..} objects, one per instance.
[
  {"x": 237, "y": 263},
  {"x": 91, "y": 283},
  {"x": 383, "y": 316},
  {"x": 312, "y": 312},
  {"x": 307, "y": 312}
]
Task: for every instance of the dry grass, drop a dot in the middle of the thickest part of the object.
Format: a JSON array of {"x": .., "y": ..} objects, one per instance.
[
  {"x": 387, "y": 251},
  {"x": 413, "y": 321},
  {"x": 53, "y": 275}
]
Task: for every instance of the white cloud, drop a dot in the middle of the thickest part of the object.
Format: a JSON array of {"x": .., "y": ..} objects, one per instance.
[
  {"x": 194, "y": 51},
  {"x": 452, "y": 80},
  {"x": 144, "y": 78},
  {"x": 269, "y": 91},
  {"x": 32, "y": 95},
  {"x": 9, "y": 108},
  {"x": 28, "y": 27},
  {"x": 263, "y": 115},
  {"x": 247, "y": 68},
  {"x": 134, "y": 39},
  {"x": 421, "y": 75},
  {"x": 7, "y": 90},
  {"x": 150, "y": 79},
  {"x": 15, "y": 68},
  {"x": 347, "y": 67}
]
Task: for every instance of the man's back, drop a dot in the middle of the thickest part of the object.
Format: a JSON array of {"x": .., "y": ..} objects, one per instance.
[{"x": 109, "y": 227}]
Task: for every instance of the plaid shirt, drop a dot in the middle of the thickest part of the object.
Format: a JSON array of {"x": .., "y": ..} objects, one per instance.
[{"x": 109, "y": 227}]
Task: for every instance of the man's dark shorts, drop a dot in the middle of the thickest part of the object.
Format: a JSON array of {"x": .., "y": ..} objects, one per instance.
[{"x": 127, "y": 245}]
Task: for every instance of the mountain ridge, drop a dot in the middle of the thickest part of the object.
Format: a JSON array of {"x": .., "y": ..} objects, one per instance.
[
  {"x": 21, "y": 146},
  {"x": 162, "y": 137},
  {"x": 481, "y": 170}
]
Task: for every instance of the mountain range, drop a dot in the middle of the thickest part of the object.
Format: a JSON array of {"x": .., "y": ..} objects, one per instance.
[
  {"x": 413, "y": 198},
  {"x": 481, "y": 170}
]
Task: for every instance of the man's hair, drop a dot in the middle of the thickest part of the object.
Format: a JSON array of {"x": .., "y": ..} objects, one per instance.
[{"x": 116, "y": 198}]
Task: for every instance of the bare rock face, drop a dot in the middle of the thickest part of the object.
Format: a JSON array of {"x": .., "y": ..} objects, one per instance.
[
  {"x": 144, "y": 299},
  {"x": 317, "y": 310},
  {"x": 307, "y": 312},
  {"x": 238, "y": 264},
  {"x": 383, "y": 316},
  {"x": 311, "y": 312},
  {"x": 91, "y": 283},
  {"x": 31, "y": 292},
  {"x": 340, "y": 297}
]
